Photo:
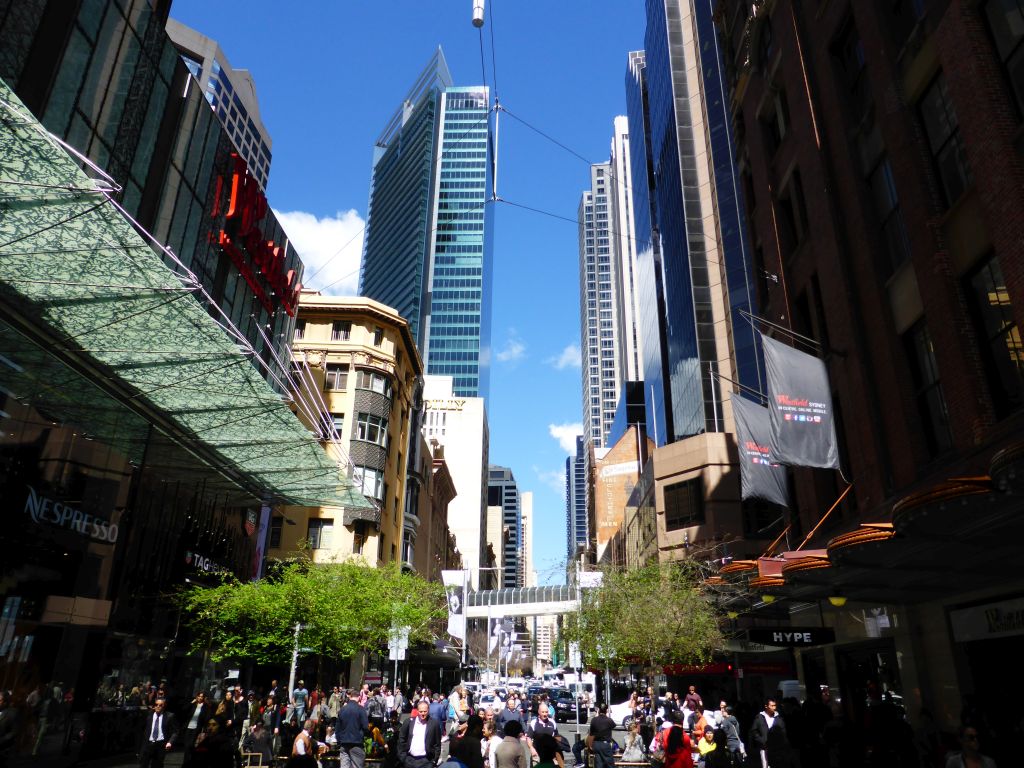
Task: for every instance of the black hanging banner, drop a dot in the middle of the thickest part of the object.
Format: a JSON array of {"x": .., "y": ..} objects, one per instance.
[
  {"x": 760, "y": 477},
  {"x": 803, "y": 432}
]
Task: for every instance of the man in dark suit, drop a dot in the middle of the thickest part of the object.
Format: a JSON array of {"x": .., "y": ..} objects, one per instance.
[
  {"x": 419, "y": 743},
  {"x": 158, "y": 736}
]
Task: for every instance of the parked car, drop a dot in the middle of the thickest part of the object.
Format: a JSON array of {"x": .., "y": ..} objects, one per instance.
[
  {"x": 565, "y": 704},
  {"x": 623, "y": 715}
]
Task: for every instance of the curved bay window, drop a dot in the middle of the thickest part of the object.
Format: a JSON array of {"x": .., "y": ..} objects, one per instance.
[{"x": 375, "y": 381}]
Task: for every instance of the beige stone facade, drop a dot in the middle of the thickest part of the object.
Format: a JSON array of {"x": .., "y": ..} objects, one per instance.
[{"x": 358, "y": 366}]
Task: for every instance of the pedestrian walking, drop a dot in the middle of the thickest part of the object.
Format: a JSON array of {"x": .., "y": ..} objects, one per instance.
[
  {"x": 195, "y": 718},
  {"x": 970, "y": 755},
  {"x": 768, "y": 738},
  {"x": 467, "y": 748},
  {"x": 693, "y": 700},
  {"x": 675, "y": 741},
  {"x": 299, "y": 700},
  {"x": 599, "y": 738},
  {"x": 351, "y": 728},
  {"x": 419, "y": 742},
  {"x": 158, "y": 737},
  {"x": 513, "y": 752}
]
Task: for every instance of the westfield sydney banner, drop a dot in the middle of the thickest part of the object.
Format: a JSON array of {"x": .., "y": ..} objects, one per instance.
[
  {"x": 760, "y": 477},
  {"x": 454, "y": 584},
  {"x": 803, "y": 432}
]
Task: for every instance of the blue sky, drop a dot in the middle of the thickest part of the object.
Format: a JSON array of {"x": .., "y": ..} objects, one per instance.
[{"x": 329, "y": 73}]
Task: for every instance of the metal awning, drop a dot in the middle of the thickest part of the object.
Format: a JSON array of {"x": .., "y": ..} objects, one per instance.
[{"x": 79, "y": 280}]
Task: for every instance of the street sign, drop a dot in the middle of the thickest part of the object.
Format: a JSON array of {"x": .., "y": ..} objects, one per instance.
[
  {"x": 793, "y": 637},
  {"x": 575, "y": 659}
]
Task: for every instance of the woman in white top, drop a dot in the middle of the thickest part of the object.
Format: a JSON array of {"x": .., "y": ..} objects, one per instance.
[{"x": 489, "y": 743}]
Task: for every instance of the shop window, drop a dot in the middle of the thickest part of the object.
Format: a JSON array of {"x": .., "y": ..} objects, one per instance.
[
  {"x": 998, "y": 336},
  {"x": 337, "y": 376},
  {"x": 1006, "y": 22},
  {"x": 684, "y": 504},
  {"x": 276, "y": 524},
  {"x": 931, "y": 403},
  {"x": 320, "y": 533},
  {"x": 944, "y": 140},
  {"x": 341, "y": 330}
]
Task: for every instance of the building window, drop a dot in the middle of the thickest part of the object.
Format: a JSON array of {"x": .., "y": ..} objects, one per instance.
[
  {"x": 947, "y": 147},
  {"x": 792, "y": 214},
  {"x": 887, "y": 208},
  {"x": 931, "y": 404},
  {"x": 341, "y": 330},
  {"x": 378, "y": 336},
  {"x": 338, "y": 419},
  {"x": 319, "y": 534},
  {"x": 684, "y": 505},
  {"x": 849, "y": 55},
  {"x": 374, "y": 381},
  {"x": 369, "y": 482},
  {"x": 300, "y": 329},
  {"x": 904, "y": 16},
  {"x": 998, "y": 335},
  {"x": 372, "y": 429},
  {"x": 337, "y": 376},
  {"x": 358, "y": 538},
  {"x": 276, "y": 523},
  {"x": 1006, "y": 21}
]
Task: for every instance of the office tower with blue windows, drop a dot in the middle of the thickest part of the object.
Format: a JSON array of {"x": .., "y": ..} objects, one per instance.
[
  {"x": 576, "y": 500},
  {"x": 427, "y": 249},
  {"x": 693, "y": 260}
]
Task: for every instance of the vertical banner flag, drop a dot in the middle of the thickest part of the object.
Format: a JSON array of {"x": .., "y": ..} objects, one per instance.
[
  {"x": 803, "y": 432},
  {"x": 454, "y": 584},
  {"x": 760, "y": 477}
]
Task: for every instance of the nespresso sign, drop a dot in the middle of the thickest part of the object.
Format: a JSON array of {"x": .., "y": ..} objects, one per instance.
[
  {"x": 792, "y": 637},
  {"x": 46, "y": 511}
]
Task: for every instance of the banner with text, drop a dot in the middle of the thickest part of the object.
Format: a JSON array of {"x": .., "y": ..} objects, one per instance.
[
  {"x": 760, "y": 477},
  {"x": 803, "y": 432},
  {"x": 455, "y": 585}
]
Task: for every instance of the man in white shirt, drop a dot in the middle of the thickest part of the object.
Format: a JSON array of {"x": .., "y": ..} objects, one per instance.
[
  {"x": 158, "y": 736},
  {"x": 419, "y": 741}
]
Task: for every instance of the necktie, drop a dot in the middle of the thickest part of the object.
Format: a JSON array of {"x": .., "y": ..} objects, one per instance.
[{"x": 156, "y": 723}]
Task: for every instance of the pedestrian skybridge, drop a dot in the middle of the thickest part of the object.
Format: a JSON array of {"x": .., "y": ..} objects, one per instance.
[{"x": 522, "y": 601}]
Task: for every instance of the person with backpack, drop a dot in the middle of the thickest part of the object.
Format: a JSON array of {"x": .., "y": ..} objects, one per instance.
[{"x": 375, "y": 708}]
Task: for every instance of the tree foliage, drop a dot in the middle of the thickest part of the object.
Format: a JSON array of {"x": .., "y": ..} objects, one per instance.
[
  {"x": 344, "y": 608},
  {"x": 655, "y": 614}
]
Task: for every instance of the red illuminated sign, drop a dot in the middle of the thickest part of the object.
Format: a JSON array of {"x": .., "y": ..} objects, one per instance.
[{"x": 247, "y": 206}]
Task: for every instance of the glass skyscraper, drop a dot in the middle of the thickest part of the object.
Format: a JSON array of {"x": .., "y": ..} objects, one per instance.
[
  {"x": 690, "y": 245},
  {"x": 503, "y": 491},
  {"x": 576, "y": 499},
  {"x": 427, "y": 250}
]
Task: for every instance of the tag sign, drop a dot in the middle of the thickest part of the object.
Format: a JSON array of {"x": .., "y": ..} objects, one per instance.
[{"x": 792, "y": 637}]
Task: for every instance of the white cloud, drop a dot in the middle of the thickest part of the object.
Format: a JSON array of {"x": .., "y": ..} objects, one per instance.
[
  {"x": 514, "y": 349},
  {"x": 331, "y": 248},
  {"x": 566, "y": 435},
  {"x": 553, "y": 478},
  {"x": 570, "y": 357}
]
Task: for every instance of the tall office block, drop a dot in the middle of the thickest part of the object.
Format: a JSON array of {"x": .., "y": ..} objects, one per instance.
[
  {"x": 503, "y": 491},
  {"x": 231, "y": 92},
  {"x": 427, "y": 250},
  {"x": 576, "y": 499},
  {"x": 693, "y": 264},
  {"x": 599, "y": 332},
  {"x": 621, "y": 234}
]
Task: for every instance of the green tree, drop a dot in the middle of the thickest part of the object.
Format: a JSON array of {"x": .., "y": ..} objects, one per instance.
[
  {"x": 344, "y": 608},
  {"x": 654, "y": 615}
]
